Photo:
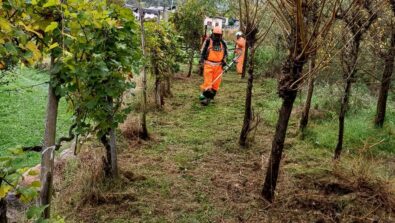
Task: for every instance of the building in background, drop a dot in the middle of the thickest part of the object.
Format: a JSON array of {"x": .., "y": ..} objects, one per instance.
[
  {"x": 215, "y": 21},
  {"x": 224, "y": 23},
  {"x": 152, "y": 12}
]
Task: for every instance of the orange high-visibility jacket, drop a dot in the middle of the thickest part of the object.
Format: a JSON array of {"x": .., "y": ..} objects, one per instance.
[
  {"x": 240, "y": 50},
  {"x": 213, "y": 53}
]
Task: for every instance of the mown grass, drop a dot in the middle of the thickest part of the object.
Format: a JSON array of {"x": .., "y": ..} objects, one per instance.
[
  {"x": 22, "y": 113},
  {"x": 194, "y": 170}
]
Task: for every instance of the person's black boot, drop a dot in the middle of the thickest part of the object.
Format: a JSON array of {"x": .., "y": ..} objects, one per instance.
[
  {"x": 210, "y": 93},
  {"x": 204, "y": 100}
]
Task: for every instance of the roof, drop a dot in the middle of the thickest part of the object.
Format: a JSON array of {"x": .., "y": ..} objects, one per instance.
[{"x": 150, "y": 9}]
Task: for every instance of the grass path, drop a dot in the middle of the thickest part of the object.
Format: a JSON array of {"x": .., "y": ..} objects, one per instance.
[
  {"x": 193, "y": 170},
  {"x": 201, "y": 167}
]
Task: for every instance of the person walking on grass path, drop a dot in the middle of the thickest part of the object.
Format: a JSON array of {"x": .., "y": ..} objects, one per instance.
[
  {"x": 213, "y": 58},
  {"x": 240, "y": 51}
]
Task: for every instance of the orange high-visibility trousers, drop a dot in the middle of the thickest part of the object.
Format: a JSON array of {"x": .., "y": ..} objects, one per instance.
[
  {"x": 240, "y": 64},
  {"x": 240, "y": 50},
  {"x": 211, "y": 72}
]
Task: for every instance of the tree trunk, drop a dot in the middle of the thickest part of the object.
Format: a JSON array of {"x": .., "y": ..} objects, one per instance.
[
  {"x": 107, "y": 158},
  {"x": 168, "y": 87},
  {"x": 243, "y": 74},
  {"x": 191, "y": 57},
  {"x": 110, "y": 160},
  {"x": 114, "y": 155},
  {"x": 47, "y": 159},
  {"x": 158, "y": 92},
  {"x": 385, "y": 83},
  {"x": 349, "y": 60},
  {"x": 248, "y": 102},
  {"x": 109, "y": 142},
  {"x": 306, "y": 110},
  {"x": 162, "y": 93},
  {"x": 144, "y": 131},
  {"x": 342, "y": 114},
  {"x": 288, "y": 91},
  {"x": 277, "y": 148},
  {"x": 3, "y": 211}
]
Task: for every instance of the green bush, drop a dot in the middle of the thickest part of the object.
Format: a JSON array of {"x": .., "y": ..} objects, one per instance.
[{"x": 268, "y": 61}]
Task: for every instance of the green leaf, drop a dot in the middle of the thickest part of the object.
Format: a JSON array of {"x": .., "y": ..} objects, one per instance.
[
  {"x": 22, "y": 170},
  {"x": 4, "y": 190},
  {"x": 53, "y": 46},
  {"x": 5, "y": 25},
  {"x": 36, "y": 184},
  {"x": 33, "y": 173},
  {"x": 27, "y": 194},
  {"x": 35, "y": 212},
  {"x": 51, "y": 27},
  {"x": 51, "y": 3},
  {"x": 11, "y": 49},
  {"x": 35, "y": 50}
]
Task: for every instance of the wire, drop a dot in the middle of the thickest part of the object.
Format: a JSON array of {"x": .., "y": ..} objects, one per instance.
[{"x": 25, "y": 87}]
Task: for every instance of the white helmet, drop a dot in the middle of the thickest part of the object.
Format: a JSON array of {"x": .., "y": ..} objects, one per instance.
[{"x": 239, "y": 33}]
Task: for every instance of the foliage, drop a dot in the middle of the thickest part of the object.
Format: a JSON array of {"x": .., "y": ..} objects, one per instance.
[
  {"x": 34, "y": 213},
  {"x": 16, "y": 43},
  {"x": 267, "y": 60},
  {"x": 93, "y": 47},
  {"x": 93, "y": 50},
  {"x": 163, "y": 47},
  {"x": 98, "y": 57},
  {"x": 188, "y": 21},
  {"x": 10, "y": 176}
]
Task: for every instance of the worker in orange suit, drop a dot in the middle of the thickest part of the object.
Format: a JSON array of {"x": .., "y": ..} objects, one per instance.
[
  {"x": 214, "y": 53},
  {"x": 240, "y": 52}
]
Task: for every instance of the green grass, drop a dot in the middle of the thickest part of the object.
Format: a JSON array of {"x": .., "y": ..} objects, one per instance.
[
  {"x": 359, "y": 127},
  {"x": 22, "y": 113},
  {"x": 193, "y": 162},
  {"x": 359, "y": 130},
  {"x": 322, "y": 133}
]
